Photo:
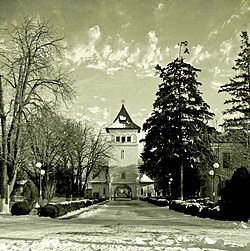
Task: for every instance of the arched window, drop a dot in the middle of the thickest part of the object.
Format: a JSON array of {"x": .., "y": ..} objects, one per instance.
[
  {"x": 123, "y": 176},
  {"x": 123, "y": 138},
  {"x": 122, "y": 154},
  {"x": 117, "y": 139},
  {"x": 128, "y": 138},
  {"x": 134, "y": 138}
]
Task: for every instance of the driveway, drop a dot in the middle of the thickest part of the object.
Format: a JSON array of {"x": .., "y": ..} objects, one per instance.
[{"x": 122, "y": 225}]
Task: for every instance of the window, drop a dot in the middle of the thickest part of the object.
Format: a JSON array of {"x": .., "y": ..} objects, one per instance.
[
  {"x": 226, "y": 160},
  {"x": 117, "y": 138},
  {"x": 123, "y": 139},
  {"x": 134, "y": 139},
  {"x": 104, "y": 191},
  {"x": 122, "y": 154},
  {"x": 123, "y": 176},
  {"x": 128, "y": 138}
]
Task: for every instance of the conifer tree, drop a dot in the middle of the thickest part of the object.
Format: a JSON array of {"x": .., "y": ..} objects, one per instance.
[
  {"x": 237, "y": 126},
  {"x": 176, "y": 139},
  {"x": 239, "y": 86}
]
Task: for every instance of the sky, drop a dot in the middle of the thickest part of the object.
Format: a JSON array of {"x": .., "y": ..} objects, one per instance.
[{"x": 114, "y": 46}]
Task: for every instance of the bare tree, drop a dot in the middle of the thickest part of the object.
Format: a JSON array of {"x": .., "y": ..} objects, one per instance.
[
  {"x": 88, "y": 152},
  {"x": 45, "y": 140},
  {"x": 97, "y": 159},
  {"x": 31, "y": 72},
  {"x": 76, "y": 151}
]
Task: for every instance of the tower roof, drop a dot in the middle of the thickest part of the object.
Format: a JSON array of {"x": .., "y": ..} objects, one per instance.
[{"x": 123, "y": 121}]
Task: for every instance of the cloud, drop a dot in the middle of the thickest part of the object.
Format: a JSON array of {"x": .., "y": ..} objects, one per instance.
[
  {"x": 117, "y": 54},
  {"x": 133, "y": 57},
  {"x": 125, "y": 26},
  {"x": 159, "y": 8},
  {"x": 95, "y": 109},
  {"x": 105, "y": 114},
  {"x": 212, "y": 33},
  {"x": 199, "y": 54},
  {"x": 152, "y": 55},
  {"x": 99, "y": 113},
  {"x": 121, "y": 54},
  {"x": 244, "y": 9},
  {"x": 112, "y": 70},
  {"x": 225, "y": 49},
  {"x": 94, "y": 33},
  {"x": 216, "y": 85},
  {"x": 99, "y": 65},
  {"x": 216, "y": 70},
  {"x": 86, "y": 52},
  {"x": 107, "y": 50},
  {"x": 100, "y": 98},
  {"x": 153, "y": 39}
]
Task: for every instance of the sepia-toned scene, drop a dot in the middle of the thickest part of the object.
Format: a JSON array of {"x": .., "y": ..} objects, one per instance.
[{"x": 125, "y": 125}]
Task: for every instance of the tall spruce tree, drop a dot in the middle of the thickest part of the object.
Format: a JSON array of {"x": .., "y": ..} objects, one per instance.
[
  {"x": 237, "y": 125},
  {"x": 176, "y": 141},
  {"x": 239, "y": 86}
]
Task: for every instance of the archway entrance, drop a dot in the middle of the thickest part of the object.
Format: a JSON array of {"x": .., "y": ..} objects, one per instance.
[{"x": 123, "y": 192}]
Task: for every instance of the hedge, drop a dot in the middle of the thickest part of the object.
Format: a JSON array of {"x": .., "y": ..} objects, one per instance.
[
  {"x": 156, "y": 201},
  {"x": 54, "y": 210}
]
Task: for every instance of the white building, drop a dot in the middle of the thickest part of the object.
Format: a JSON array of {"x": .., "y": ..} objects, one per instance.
[{"x": 122, "y": 179}]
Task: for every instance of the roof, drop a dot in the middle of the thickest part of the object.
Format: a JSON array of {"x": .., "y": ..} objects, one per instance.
[
  {"x": 145, "y": 179},
  {"x": 123, "y": 121}
]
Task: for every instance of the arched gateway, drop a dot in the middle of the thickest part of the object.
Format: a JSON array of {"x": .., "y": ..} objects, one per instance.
[{"x": 123, "y": 192}]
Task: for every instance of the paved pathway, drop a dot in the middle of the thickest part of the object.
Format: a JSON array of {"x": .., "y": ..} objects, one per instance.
[{"x": 122, "y": 225}]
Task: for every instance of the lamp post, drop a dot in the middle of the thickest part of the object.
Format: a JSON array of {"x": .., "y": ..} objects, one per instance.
[
  {"x": 41, "y": 174},
  {"x": 212, "y": 174},
  {"x": 169, "y": 186}
]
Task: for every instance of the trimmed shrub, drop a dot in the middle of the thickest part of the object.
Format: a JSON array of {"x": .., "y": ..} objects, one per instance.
[
  {"x": 89, "y": 203},
  {"x": 193, "y": 209},
  {"x": 156, "y": 201},
  {"x": 21, "y": 208},
  {"x": 50, "y": 210},
  {"x": 235, "y": 200},
  {"x": 62, "y": 209}
]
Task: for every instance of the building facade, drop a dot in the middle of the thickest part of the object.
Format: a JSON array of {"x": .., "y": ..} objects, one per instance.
[{"x": 122, "y": 179}]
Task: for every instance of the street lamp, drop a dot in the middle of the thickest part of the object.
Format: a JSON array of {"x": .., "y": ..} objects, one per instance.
[
  {"x": 41, "y": 174},
  {"x": 169, "y": 186},
  {"x": 212, "y": 174}
]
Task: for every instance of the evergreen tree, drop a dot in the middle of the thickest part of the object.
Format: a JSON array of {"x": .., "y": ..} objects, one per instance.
[
  {"x": 238, "y": 125},
  {"x": 176, "y": 133},
  {"x": 239, "y": 86}
]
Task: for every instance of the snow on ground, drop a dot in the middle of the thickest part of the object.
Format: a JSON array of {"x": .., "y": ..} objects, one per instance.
[
  {"x": 77, "y": 237},
  {"x": 84, "y": 212},
  {"x": 128, "y": 239}
]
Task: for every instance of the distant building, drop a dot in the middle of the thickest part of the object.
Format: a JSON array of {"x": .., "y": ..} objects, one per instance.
[
  {"x": 122, "y": 179},
  {"x": 230, "y": 153}
]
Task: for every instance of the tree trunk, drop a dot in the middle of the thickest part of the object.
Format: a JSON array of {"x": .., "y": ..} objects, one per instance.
[{"x": 4, "y": 200}]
